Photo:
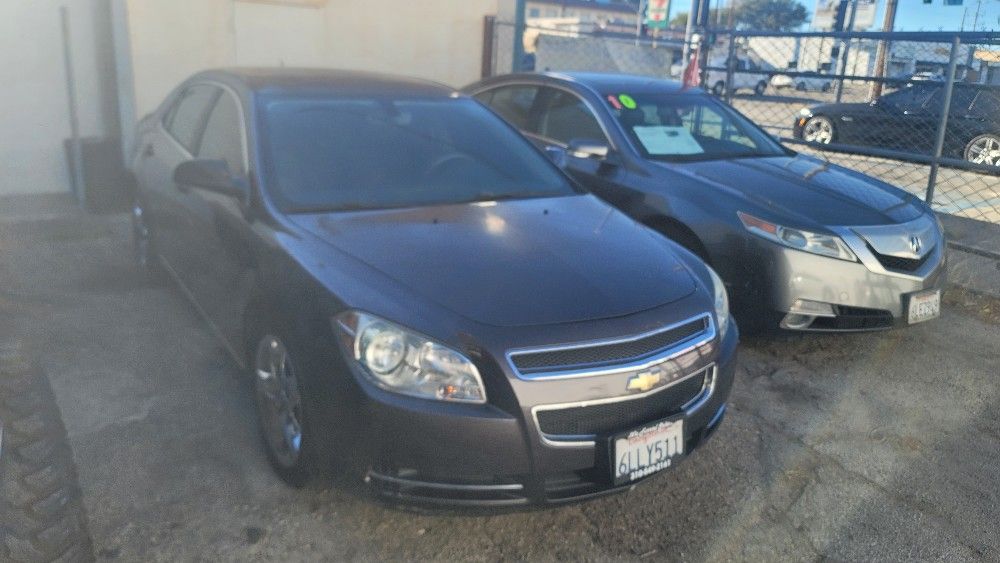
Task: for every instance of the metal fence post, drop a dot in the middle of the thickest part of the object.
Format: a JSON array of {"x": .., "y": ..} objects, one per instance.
[
  {"x": 949, "y": 87},
  {"x": 730, "y": 67}
]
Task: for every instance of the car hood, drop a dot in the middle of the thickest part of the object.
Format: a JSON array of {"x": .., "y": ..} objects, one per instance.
[
  {"x": 808, "y": 189},
  {"x": 515, "y": 263}
]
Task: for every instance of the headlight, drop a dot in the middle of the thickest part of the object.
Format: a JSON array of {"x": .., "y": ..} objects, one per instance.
[
  {"x": 402, "y": 361},
  {"x": 824, "y": 245},
  {"x": 721, "y": 301},
  {"x": 805, "y": 112}
]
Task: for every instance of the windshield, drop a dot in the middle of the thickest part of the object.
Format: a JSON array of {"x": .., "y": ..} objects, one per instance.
[
  {"x": 689, "y": 127},
  {"x": 339, "y": 154}
]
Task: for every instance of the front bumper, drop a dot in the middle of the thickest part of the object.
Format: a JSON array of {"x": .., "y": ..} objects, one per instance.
[
  {"x": 423, "y": 452},
  {"x": 864, "y": 295}
]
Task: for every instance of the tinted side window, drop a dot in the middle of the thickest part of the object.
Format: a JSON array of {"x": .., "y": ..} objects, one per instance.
[
  {"x": 961, "y": 99},
  {"x": 185, "y": 119},
  {"x": 513, "y": 103},
  {"x": 566, "y": 117},
  {"x": 988, "y": 103},
  {"x": 223, "y": 137},
  {"x": 908, "y": 97}
]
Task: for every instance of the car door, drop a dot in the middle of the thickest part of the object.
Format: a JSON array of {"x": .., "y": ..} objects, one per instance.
[
  {"x": 172, "y": 141},
  {"x": 222, "y": 282},
  {"x": 564, "y": 117}
]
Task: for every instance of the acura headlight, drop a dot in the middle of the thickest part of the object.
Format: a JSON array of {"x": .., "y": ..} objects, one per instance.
[
  {"x": 721, "y": 301},
  {"x": 824, "y": 245},
  {"x": 400, "y": 360}
]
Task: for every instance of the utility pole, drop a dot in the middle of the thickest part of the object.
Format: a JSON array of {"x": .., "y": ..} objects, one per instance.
[
  {"x": 688, "y": 30},
  {"x": 518, "y": 62},
  {"x": 888, "y": 23},
  {"x": 845, "y": 49}
]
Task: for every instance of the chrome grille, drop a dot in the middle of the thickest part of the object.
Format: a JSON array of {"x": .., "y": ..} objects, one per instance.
[
  {"x": 622, "y": 415},
  {"x": 608, "y": 353}
]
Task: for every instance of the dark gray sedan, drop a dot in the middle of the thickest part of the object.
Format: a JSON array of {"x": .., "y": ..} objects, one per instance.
[
  {"x": 422, "y": 300},
  {"x": 800, "y": 243}
]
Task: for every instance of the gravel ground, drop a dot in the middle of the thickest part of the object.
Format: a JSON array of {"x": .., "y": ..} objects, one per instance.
[{"x": 850, "y": 447}]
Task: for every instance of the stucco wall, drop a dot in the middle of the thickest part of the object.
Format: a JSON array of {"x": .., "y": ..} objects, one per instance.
[
  {"x": 436, "y": 39},
  {"x": 35, "y": 115}
]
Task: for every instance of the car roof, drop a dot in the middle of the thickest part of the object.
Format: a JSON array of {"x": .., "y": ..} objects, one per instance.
[
  {"x": 319, "y": 81},
  {"x": 616, "y": 83}
]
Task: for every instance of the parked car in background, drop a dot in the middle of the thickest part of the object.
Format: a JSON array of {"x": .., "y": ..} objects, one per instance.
[
  {"x": 807, "y": 82},
  {"x": 422, "y": 300},
  {"x": 800, "y": 243},
  {"x": 908, "y": 120},
  {"x": 748, "y": 75}
]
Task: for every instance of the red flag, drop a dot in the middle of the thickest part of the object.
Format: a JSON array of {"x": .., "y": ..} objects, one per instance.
[{"x": 692, "y": 74}]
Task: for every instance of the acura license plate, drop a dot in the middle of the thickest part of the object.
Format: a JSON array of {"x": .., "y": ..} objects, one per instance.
[
  {"x": 924, "y": 306},
  {"x": 645, "y": 451}
]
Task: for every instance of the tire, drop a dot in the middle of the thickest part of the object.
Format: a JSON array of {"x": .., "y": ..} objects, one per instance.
[
  {"x": 800, "y": 87},
  {"x": 312, "y": 459},
  {"x": 144, "y": 255},
  {"x": 825, "y": 88},
  {"x": 983, "y": 149},
  {"x": 819, "y": 129},
  {"x": 42, "y": 517},
  {"x": 759, "y": 88},
  {"x": 719, "y": 88}
]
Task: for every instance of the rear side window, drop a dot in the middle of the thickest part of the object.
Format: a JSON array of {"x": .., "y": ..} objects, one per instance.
[
  {"x": 185, "y": 119},
  {"x": 223, "y": 137},
  {"x": 988, "y": 103},
  {"x": 566, "y": 118},
  {"x": 513, "y": 103}
]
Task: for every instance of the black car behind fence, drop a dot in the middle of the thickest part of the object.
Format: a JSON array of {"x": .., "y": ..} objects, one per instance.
[{"x": 871, "y": 101}]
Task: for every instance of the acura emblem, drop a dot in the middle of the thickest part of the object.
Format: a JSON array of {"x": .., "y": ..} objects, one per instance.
[{"x": 915, "y": 245}]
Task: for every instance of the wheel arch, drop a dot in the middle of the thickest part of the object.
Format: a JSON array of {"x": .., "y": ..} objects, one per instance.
[{"x": 680, "y": 233}]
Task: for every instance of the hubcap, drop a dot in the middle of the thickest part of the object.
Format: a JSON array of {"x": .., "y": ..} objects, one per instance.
[
  {"x": 985, "y": 151},
  {"x": 279, "y": 404},
  {"x": 818, "y": 130}
]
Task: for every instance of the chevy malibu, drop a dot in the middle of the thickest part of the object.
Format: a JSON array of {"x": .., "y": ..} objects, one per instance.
[{"x": 423, "y": 302}]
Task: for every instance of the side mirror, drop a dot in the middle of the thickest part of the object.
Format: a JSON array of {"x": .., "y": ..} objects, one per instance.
[
  {"x": 211, "y": 175},
  {"x": 586, "y": 148},
  {"x": 557, "y": 155}
]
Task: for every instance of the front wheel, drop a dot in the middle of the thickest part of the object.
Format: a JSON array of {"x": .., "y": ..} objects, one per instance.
[
  {"x": 801, "y": 87},
  {"x": 819, "y": 129},
  {"x": 984, "y": 149}
]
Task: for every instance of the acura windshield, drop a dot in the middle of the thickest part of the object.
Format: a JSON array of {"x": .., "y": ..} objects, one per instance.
[
  {"x": 689, "y": 127},
  {"x": 328, "y": 154}
]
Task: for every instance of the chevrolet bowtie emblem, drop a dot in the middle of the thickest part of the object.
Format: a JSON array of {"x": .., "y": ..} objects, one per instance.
[{"x": 643, "y": 381}]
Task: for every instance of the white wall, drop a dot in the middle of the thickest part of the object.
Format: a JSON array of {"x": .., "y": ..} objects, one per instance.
[
  {"x": 435, "y": 39},
  {"x": 34, "y": 118}
]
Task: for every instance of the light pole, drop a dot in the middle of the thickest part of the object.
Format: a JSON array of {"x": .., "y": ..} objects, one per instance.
[{"x": 883, "y": 49}]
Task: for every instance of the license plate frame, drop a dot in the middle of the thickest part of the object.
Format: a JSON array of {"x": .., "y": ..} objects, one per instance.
[
  {"x": 923, "y": 306},
  {"x": 668, "y": 433}
]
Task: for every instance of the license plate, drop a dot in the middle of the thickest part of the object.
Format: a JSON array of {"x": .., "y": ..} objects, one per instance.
[
  {"x": 645, "y": 451},
  {"x": 924, "y": 306}
]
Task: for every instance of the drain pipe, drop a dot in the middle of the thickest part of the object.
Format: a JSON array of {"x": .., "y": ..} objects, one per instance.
[{"x": 75, "y": 145}]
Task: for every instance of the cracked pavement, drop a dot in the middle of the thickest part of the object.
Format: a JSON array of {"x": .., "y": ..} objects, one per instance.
[{"x": 882, "y": 446}]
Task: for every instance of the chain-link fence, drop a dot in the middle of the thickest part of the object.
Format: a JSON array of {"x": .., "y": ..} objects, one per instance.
[{"x": 873, "y": 102}]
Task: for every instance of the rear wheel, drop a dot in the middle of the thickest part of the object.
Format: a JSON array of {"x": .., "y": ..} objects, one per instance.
[
  {"x": 984, "y": 149},
  {"x": 819, "y": 129},
  {"x": 760, "y": 87},
  {"x": 41, "y": 514},
  {"x": 143, "y": 254},
  {"x": 719, "y": 88}
]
